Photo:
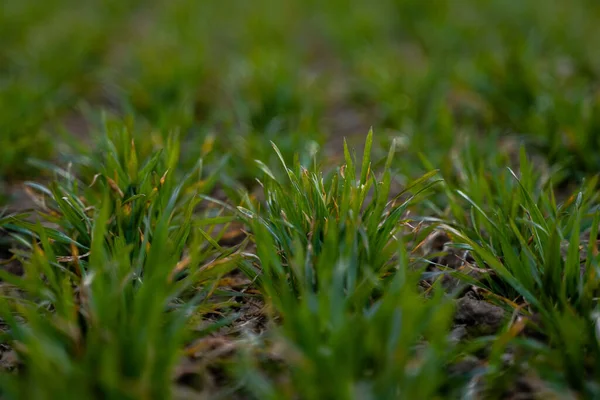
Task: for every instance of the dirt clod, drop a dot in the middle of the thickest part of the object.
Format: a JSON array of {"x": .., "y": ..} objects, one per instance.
[{"x": 479, "y": 317}]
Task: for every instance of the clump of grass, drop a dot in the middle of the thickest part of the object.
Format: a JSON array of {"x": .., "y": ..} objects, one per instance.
[
  {"x": 308, "y": 204},
  {"x": 544, "y": 263},
  {"x": 109, "y": 289},
  {"x": 333, "y": 265}
]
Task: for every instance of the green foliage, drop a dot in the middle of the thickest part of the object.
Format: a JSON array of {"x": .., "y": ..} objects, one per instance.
[
  {"x": 544, "y": 259},
  {"x": 334, "y": 266},
  {"x": 126, "y": 115},
  {"x": 107, "y": 294},
  {"x": 307, "y": 205}
]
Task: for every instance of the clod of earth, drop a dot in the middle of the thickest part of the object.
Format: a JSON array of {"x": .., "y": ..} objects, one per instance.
[{"x": 478, "y": 316}]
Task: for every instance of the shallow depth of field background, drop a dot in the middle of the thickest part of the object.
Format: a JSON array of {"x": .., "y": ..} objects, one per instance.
[{"x": 436, "y": 75}]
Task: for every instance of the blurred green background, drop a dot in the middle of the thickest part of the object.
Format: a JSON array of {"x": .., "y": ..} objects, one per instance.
[{"x": 439, "y": 76}]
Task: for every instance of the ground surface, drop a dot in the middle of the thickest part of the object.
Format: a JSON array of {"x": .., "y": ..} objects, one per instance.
[{"x": 299, "y": 199}]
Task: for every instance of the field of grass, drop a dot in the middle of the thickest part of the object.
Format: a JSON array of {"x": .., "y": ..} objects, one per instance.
[{"x": 393, "y": 199}]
